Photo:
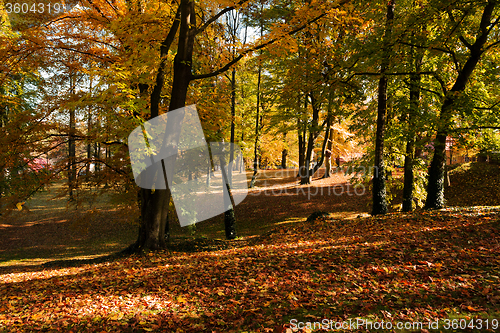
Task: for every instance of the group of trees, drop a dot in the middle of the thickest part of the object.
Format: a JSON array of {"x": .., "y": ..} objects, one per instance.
[{"x": 280, "y": 78}]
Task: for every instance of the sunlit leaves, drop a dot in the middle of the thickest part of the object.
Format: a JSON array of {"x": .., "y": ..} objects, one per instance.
[{"x": 418, "y": 267}]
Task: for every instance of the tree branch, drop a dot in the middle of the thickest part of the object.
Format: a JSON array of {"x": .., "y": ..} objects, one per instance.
[
  {"x": 253, "y": 49},
  {"x": 441, "y": 82},
  {"x": 465, "y": 129},
  {"x": 396, "y": 74},
  {"x": 487, "y": 108},
  {"x": 217, "y": 16},
  {"x": 165, "y": 46},
  {"x": 491, "y": 45}
]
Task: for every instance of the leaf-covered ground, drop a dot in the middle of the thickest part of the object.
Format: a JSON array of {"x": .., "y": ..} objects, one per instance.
[
  {"x": 474, "y": 184},
  {"x": 399, "y": 268},
  {"x": 424, "y": 266}
]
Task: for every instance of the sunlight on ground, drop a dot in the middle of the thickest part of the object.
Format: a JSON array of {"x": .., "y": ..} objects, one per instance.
[{"x": 400, "y": 267}]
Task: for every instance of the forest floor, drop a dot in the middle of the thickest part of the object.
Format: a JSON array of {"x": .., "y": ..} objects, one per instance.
[{"x": 435, "y": 267}]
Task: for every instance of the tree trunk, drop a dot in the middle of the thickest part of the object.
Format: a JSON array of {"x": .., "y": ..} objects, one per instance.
[
  {"x": 435, "y": 186},
  {"x": 328, "y": 155},
  {"x": 257, "y": 127},
  {"x": 409, "y": 177},
  {"x": 379, "y": 190},
  {"x": 229, "y": 218},
  {"x": 301, "y": 130},
  {"x": 323, "y": 149},
  {"x": 89, "y": 129},
  {"x": 284, "y": 154},
  {"x": 3, "y": 122},
  {"x": 71, "y": 148},
  {"x": 227, "y": 172},
  {"x": 155, "y": 203},
  {"x": 306, "y": 174},
  {"x": 233, "y": 118}
]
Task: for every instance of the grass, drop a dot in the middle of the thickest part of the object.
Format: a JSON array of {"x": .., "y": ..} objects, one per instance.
[{"x": 49, "y": 228}]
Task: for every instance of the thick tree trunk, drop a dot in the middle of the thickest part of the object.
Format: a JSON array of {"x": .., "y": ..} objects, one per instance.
[
  {"x": 435, "y": 186},
  {"x": 379, "y": 190},
  {"x": 155, "y": 203}
]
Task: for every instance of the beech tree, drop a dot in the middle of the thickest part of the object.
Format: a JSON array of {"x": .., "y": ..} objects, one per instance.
[
  {"x": 154, "y": 204},
  {"x": 379, "y": 190}
]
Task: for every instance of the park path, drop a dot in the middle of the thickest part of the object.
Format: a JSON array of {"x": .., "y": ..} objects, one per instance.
[{"x": 278, "y": 198}]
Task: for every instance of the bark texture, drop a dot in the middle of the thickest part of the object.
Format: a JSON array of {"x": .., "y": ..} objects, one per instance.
[{"x": 379, "y": 189}]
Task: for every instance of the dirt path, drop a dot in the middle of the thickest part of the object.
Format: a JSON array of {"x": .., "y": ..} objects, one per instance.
[{"x": 278, "y": 198}]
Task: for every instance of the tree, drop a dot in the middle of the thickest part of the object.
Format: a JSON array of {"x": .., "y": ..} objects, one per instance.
[
  {"x": 453, "y": 98},
  {"x": 379, "y": 190},
  {"x": 154, "y": 204}
]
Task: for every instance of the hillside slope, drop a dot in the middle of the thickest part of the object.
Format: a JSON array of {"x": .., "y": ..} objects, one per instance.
[{"x": 474, "y": 184}]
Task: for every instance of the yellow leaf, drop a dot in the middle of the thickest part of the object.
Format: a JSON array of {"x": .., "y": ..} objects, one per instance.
[
  {"x": 116, "y": 316},
  {"x": 19, "y": 205}
]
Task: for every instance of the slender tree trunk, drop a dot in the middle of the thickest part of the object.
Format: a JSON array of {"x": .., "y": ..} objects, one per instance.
[
  {"x": 257, "y": 127},
  {"x": 302, "y": 132},
  {"x": 257, "y": 117},
  {"x": 3, "y": 122},
  {"x": 305, "y": 177},
  {"x": 328, "y": 155},
  {"x": 229, "y": 218},
  {"x": 209, "y": 174},
  {"x": 233, "y": 118},
  {"x": 71, "y": 147},
  {"x": 379, "y": 189},
  {"x": 435, "y": 186},
  {"x": 284, "y": 154},
  {"x": 97, "y": 157},
  {"x": 89, "y": 128},
  {"x": 323, "y": 149}
]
